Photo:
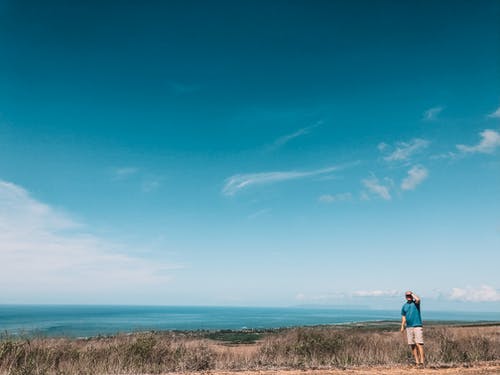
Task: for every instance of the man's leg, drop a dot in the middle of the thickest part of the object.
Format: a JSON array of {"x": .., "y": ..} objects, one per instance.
[
  {"x": 420, "y": 353},
  {"x": 415, "y": 353},
  {"x": 410, "y": 333},
  {"x": 419, "y": 340}
]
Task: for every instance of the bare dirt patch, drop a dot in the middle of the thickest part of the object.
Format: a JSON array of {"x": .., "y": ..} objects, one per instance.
[{"x": 478, "y": 369}]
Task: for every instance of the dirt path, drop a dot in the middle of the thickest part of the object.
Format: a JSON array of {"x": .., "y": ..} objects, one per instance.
[{"x": 481, "y": 369}]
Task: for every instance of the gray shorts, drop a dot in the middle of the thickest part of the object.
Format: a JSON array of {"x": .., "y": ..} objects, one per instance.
[{"x": 415, "y": 335}]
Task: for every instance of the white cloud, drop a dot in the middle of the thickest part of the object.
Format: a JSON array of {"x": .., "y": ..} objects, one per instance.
[
  {"x": 45, "y": 252},
  {"x": 338, "y": 297},
  {"x": 364, "y": 196},
  {"x": 495, "y": 114},
  {"x": 416, "y": 175},
  {"x": 239, "y": 182},
  {"x": 382, "y": 146},
  {"x": 281, "y": 141},
  {"x": 17, "y": 207},
  {"x": 404, "y": 150},
  {"x": 490, "y": 140},
  {"x": 432, "y": 113},
  {"x": 300, "y": 297},
  {"x": 374, "y": 186},
  {"x": 376, "y": 293},
  {"x": 330, "y": 297},
  {"x": 259, "y": 213},
  {"x": 329, "y": 198},
  {"x": 446, "y": 156},
  {"x": 484, "y": 293},
  {"x": 150, "y": 185},
  {"x": 124, "y": 172}
]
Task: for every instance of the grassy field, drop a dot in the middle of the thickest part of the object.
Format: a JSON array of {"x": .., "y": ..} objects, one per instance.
[{"x": 313, "y": 348}]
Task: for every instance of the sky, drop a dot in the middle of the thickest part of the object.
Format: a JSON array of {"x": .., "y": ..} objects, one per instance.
[{"x": 250, "y": 153}]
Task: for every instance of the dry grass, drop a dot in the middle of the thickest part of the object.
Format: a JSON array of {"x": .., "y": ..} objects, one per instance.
[{"x": 298, "y": 348}]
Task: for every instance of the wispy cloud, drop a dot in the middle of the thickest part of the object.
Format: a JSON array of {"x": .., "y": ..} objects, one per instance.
[
  {"x": 374, "y": 185},
  {"x": 331, "y": 198},
  {"x": 382, "y": 146},
  {"x": 432, "y": 113},
  {"x": 150, "y": 185},
  {"x": 416, "y": 175},
  {"x": 281, "y": 141},
  {"x": 364, "y": 196},
  {"x": 484, "y": 293},
  {"x": 124, "y": 172},
  {"x": 18, "y": 207},
  {"x": 346, "y": 297},
  {"x": 259, "y": 213},
  {"x": 238, "y": 182},
  {"x": 405, "y": 150},
  {"x": 45, "y": 251},
  {"x": 330, "y": 297},
  {"x": 148, "y": 182},
  {"x": 495, "y": 114},
  {"x": 446, "y": 156},
  {"x": 490, "y": 140},
  {"x": 376, "y": 293}
]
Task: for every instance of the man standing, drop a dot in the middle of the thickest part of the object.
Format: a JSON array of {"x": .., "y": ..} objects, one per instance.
[{"x": 410, "y": 317}]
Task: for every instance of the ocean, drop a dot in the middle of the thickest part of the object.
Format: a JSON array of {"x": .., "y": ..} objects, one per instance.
[{"x": 87, "y": 321}]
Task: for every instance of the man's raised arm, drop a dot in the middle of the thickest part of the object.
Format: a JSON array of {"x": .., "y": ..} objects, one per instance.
[{"x": 416, "y": 298}]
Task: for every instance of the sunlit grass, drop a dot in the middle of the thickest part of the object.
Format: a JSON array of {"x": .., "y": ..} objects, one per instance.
[{"x": 316, "y": 347}]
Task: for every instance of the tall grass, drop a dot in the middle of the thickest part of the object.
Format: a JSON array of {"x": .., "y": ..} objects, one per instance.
[
  {"x": 323, "y": 347},
  {"x": 319, "y": 347}
]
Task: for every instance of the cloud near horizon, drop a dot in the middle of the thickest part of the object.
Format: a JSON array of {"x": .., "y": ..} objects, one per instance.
[
  {"x": 45, "y": 251},
  {"x": 485, "y": 293},
  {"x": 238, "y": 182},
  {"x": 347, "y": 297},
  {"x": 490, "y": 141},
  {"x": 376, "y": 293}
]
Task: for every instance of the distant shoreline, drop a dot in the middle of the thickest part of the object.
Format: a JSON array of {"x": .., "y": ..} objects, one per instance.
[
  {"x": 380, "y": 325},
  {"x": 92, "y": 321}
]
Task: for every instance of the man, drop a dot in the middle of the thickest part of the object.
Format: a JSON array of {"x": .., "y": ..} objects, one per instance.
[{"x": 412, "y": 320}]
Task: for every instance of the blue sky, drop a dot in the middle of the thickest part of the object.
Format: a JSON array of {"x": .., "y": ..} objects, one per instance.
[{"x": 250, "y": 153}]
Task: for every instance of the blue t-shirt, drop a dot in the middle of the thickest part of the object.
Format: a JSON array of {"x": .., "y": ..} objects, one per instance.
[{"x": 412, "y": 312}]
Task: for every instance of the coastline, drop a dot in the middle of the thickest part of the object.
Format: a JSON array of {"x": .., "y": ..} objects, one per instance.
[
  {"x": 362, "y": 325},
  {"x": 99, "y": 320}
]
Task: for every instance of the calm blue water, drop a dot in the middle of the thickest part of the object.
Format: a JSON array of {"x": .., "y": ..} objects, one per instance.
[{"x": 85, "y": 321}]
